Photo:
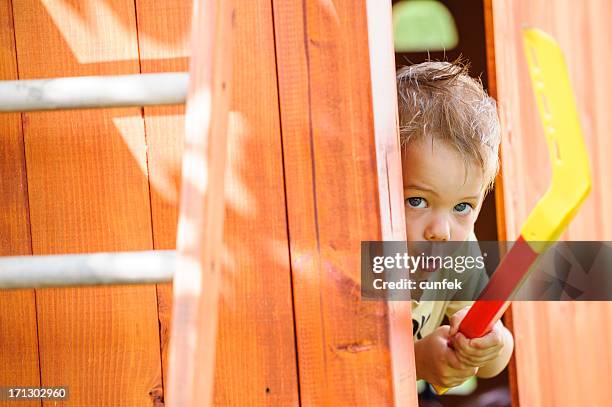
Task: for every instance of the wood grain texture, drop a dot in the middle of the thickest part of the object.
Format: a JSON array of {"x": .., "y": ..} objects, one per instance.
[
  {"x": 562, "y": 349},
  {"x": 197, "y": 281},
  {"x": 163, "y": 41},
  {"x": 87, "y": 185},
  {"x": 390, "y": 188},
  {"x": 499, "y": 184},
  {"x": 255, "y": 346},
  {"x": 333, "y": 201},
  {"x": 18, "y": 330}
]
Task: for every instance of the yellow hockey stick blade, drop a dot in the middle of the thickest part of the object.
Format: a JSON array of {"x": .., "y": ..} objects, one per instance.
[{"x": 571, "y": 175}]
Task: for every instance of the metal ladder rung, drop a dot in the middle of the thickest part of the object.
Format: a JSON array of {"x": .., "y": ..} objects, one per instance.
[
  {"x": 71, "y": 270},
  {"x": 85, "y": 92}
]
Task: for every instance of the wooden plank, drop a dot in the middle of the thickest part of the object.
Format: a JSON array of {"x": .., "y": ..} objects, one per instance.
[
  {"x": 88, "y": 192},
  {"x": 557, "y": 343},
  {"x": 492, "y": 90},
  {"x": 499, "y": 184},
  {"x": 197, "y": 280},
  {"x": 390, "y": 187},
  {"x": 18, "y": 331},
  {"x": 333, "y": 202},
  {"x": 255, "y": 346},
  {"x": 163, "y": 41}
]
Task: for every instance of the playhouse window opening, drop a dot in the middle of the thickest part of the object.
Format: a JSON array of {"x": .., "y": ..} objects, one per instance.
[{"x": 445, "y": 30}]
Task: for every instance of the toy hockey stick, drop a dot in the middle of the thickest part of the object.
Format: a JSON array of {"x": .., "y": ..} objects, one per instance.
[{"x": 571, "y": 183}]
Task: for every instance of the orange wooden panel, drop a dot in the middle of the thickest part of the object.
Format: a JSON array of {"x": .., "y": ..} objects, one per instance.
[
  {"x": 163, "y": 40},
  {"x": 562, "y": 349},
  {"x": 256, "y": 356},
  {"x": 18, "y": 332},
  {"x": 499, "y": 182},
  {"x": 256, "y": 362},
  {"x": 390, "y": 188},
  {"x": 333, "y": 202},
  {"x": 197, "y": 280},
  {"x": 87, "y": 185}
]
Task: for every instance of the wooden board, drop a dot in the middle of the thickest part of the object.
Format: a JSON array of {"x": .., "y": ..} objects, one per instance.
[
  {"x": 256, "y": 346},
  {"x": 390, "y": 188},
  {"x": 255, "y": 342},
  {"x": 502, "y": 235},
  {"x": 562, "y": 349},
  {"x": 18, "y": 332},
  {"x": 333, "y": 202},
  {"x": 198, "y": 276},
  {"x": 163, "y": 41},
  {"x": 87, "y": 185}
]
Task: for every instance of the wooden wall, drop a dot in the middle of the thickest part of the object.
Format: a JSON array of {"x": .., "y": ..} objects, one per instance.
[
  {"x": 563, "y": 356},
  {"x": 302, "y": 192},
  {"x": 18, "y": 330},
  {"x": 329, "y": 155}
]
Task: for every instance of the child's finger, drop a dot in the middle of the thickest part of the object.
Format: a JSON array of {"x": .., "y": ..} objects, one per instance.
[
  {"x": 456, "y": 372},
  {"x": 493, "y": 339},
  {"x": 464, "y": 346},
  {"x": 477, "y": 361},
  {"x": 460, "y": 361},
  {"x": 471, "y": 355},
  {"x": 453, "y": 360},
  {"x": 455, "y": 320}
]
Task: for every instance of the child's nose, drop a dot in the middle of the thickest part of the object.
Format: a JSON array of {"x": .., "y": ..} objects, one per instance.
[{"x": 438, "y": 229}]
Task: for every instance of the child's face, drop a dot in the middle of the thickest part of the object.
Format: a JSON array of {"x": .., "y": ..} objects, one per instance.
[{"x": 441, "y": 203}]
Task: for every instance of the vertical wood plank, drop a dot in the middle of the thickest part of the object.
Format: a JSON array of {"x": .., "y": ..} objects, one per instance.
[
  {"x": 330, "y": 156},
  {"x": 87, "y": 185},
  {"x": 197, "y": 280},
  {"x": 557, "y": 343},
  {"x": 255, "y": 342},
  {"x": 256, "y": 345},
  {"x": 163, "y": 41},
  {"x": 18, "y": 331},
  {"x": 390, "y": 187},
  {"x": 499, "y": 182},
  {"x": 163, "y": 38}
]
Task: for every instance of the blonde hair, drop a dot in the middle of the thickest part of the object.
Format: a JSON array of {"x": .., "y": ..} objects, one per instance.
[{"x": 440, "y": 101}]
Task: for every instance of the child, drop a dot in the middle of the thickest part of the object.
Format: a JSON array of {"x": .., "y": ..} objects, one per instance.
[{"x": 450, "y": 135}]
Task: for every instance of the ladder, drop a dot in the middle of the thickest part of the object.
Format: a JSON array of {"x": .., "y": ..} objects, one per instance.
[{"x": 194, "y": 267}]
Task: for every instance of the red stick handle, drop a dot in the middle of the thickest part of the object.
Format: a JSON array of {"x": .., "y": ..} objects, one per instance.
[{"x": 493, "y": 301}]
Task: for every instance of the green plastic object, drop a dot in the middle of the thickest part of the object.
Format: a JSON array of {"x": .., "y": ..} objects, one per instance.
[{"x": 423, "y": 25}]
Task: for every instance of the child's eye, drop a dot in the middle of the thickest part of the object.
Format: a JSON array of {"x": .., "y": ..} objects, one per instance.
[
  {"x": 416, "y": 202},
  {"x": 463, "y": 208}
]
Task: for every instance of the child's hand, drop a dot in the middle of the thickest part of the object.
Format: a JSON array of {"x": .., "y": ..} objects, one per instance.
[
  {"x": 437, "y": 363},
  {"x": 476, "y": 352}
]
